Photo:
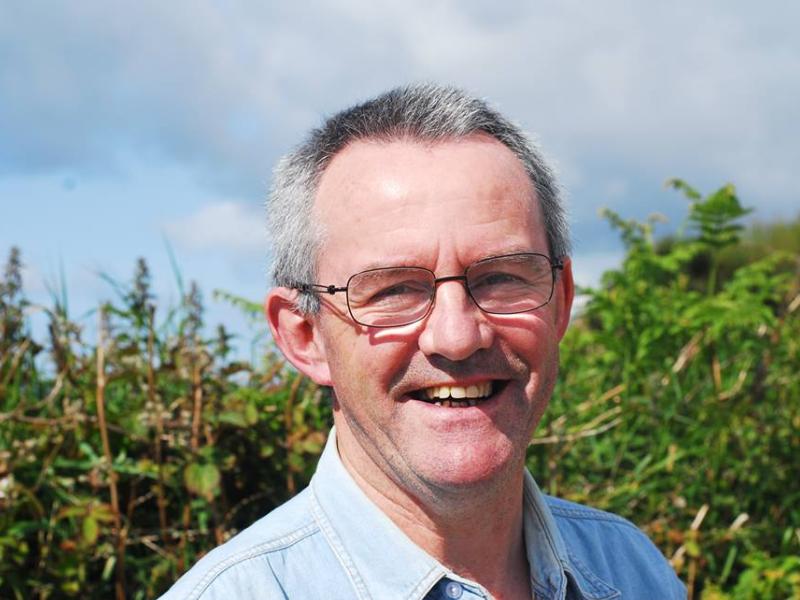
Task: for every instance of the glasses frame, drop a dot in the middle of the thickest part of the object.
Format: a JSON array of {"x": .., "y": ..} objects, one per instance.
[{"x": 318, "y": 288}]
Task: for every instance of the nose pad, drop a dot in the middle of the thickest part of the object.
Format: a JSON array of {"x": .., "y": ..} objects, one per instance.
[
  {"x": 465, "y": 295},
  {"x": 455, "y": 327},
  {"x": 453, "y": 278}
]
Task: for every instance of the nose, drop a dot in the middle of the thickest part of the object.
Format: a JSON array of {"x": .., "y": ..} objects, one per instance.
[{"x": 455, "y": 328}]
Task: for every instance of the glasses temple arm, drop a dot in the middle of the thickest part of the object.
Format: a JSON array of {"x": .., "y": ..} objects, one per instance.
[{"x": 318, "y": 288}]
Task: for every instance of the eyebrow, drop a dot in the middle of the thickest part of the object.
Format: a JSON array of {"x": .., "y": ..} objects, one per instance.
[
  {"x": 408, "y": 261},
  {"x": 384, "y": 264}
]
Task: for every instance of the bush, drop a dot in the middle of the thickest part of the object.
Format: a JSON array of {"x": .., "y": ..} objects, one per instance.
[
  {"x": 140, "y": 452},
  {"x": 678, "y": 404}
]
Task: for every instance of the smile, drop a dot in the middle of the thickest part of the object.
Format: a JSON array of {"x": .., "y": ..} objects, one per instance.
[{"x": 458, "y": 396}]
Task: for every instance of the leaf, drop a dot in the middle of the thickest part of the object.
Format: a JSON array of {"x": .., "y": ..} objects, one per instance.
[
  {"x": 202, "y": 480},
  {"x": 252, "y": 310},
  {"x": 692, "y": 548},
  {"x": 103, "y": 513},
  {"x": 251, "y": 413},
  {"x": 234, "y": 418},
  {"x": 90, "y": 530},
  {"x": 312, "y": 444},
  {"x": 71, "y": 511},
  {"x": 108, "y": 568},
  {"x": 681, "y": 185},
  {"x": 88, "y": 451}
]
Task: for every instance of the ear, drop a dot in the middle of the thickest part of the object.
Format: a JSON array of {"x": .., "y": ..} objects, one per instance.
[
  {"x": 564, "y": 295},
  {"x": 297, "y": 335}
]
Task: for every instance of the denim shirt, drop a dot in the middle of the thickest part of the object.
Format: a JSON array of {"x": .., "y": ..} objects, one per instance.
[{"x": 331, "y": 542}]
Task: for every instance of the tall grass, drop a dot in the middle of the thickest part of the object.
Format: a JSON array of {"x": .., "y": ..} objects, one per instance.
[{"x": 147, "y": 447}]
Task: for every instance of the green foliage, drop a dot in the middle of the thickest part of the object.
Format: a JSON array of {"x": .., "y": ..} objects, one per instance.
[
  {"x": 678, "y": 404},
  {"x": 124, "y": 460},
  {"x": 137, "y": 454}
]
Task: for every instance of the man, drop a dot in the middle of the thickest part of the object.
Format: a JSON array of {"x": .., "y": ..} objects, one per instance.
[{"x": 422, "y": 271}]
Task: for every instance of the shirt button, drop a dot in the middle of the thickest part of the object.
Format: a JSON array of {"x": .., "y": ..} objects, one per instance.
[{"x": 453, "y": 590}]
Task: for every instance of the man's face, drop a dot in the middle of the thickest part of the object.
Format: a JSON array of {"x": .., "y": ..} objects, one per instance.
[{"x": 440, "y": 206}]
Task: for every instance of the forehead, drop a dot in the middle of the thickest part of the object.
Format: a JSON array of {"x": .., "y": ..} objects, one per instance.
[{"x": 387, "y": 202}]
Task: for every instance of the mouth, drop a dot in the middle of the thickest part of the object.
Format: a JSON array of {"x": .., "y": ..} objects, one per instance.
[{"x": 459, "y": 396}]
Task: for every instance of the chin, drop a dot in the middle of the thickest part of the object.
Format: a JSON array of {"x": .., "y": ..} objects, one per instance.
[{"x": 459, "y": 467}]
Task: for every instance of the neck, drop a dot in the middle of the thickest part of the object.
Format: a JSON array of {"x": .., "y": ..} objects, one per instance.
[{"x": 475, "y": 532}]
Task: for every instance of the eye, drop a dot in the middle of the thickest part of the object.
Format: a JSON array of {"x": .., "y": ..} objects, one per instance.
[
  {"x": 395, "y": 290},
  {"x": 400, "y": 291},
  {"x": 496, "y": 279}
]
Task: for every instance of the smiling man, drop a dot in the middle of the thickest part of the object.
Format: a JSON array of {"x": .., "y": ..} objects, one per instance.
[{"x": 422, "y": 273}]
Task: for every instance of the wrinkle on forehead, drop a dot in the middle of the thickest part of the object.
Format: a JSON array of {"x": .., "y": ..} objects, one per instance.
[
  {"x": 401, "y": 193},
  {"x": 361, "y": 171}
]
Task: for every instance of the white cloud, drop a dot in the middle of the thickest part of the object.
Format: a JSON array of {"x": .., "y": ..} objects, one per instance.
[
  {"x": 588, "y": 267},
  {"x": 32, "y": 280},
  {"x": 225, "y": 227},
  {"x": 699, "y": 90}
]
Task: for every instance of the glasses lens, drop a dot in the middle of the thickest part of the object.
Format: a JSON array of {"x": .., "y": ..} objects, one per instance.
[
  {"x": 511, "y": 284},
  {"x": 390, "y": 297}
]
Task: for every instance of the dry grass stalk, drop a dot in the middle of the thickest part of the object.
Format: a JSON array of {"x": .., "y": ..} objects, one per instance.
[
  {"x": 688, "y": 352},
  {"x": 288, "y": 421},
  {"x": 794, "y": 305},
  {"x": 15, "y": 360},
  {"x": 571, "y": 437},
  {"x": 112, "y": 476},
  {"x": 197, "y": 410},
  {"x": 157, "y": 405}
]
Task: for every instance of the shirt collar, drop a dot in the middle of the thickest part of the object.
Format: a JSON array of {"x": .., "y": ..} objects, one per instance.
[
  {"x": 553, "y": 570},
  {"x": 382, "y": 562}
]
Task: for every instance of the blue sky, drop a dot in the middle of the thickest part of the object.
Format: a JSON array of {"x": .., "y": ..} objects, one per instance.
[{"x": 125, "y": 125}]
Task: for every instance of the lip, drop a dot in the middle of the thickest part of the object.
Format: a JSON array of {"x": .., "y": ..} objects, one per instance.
[
  {"x": 460, "y": 382},
  {"x": 485, "y": 408},
  {"x": 419, "y": 392},
  {"x": 465, "y": 382},
  {"x": 450, "y": 419}
]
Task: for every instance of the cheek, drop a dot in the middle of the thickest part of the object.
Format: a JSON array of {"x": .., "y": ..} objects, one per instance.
[
  {"x": 532, "y": 336},
  {"x": 535, "y": 343},
  {"x": 363, "y": 371}
]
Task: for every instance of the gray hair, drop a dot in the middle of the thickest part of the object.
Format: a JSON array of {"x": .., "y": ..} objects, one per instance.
[{"x": 423, "y": 112}]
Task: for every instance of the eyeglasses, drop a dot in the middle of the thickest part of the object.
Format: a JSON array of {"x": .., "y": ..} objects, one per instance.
[{"x": 396, "y": 296}]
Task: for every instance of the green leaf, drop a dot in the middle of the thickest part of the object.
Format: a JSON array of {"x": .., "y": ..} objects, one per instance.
[
  {"x": 252, "y": 310},
  {"x": 108, "y": 568},
  {"x": 251, "y": 413},
  {"x": 234, "y": 418},
  {"x": 692, "y": 548},
  {"x": 681, "y": 185},
  {"x": 202, "y": 480},
  {"x": 88, "y": 451},
  {"x": 90, "y": 530},
  {"x": 103, "y": 513}
]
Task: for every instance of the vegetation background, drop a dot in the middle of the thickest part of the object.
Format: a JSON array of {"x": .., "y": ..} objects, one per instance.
[{"x": 124, "y": 458}]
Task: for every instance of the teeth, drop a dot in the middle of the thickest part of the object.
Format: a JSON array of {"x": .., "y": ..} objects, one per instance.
[
  {"x": 457, "y": 403},
  {"x": 461, "y": 396}
]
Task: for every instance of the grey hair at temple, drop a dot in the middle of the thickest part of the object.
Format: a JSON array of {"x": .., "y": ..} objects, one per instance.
[{"x": 423, "y": 112}]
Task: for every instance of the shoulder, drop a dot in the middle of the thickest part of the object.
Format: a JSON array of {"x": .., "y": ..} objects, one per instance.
[
  {"x": 614, "y": 549},
  {"x": 257, "y": 563},
  {"x": 572, "y": 512}
]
